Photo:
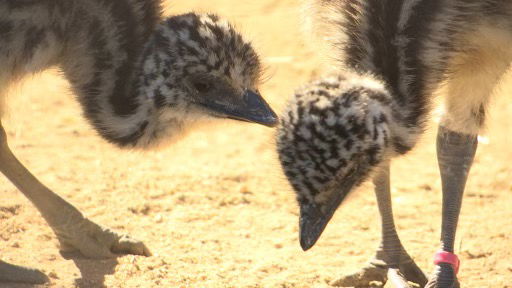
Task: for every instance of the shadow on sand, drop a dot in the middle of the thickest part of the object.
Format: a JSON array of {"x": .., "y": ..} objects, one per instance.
[{"x": 93, "y": 271}]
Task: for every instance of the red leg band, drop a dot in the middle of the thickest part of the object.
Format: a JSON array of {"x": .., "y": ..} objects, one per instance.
[{"x": 449, "y": 258}]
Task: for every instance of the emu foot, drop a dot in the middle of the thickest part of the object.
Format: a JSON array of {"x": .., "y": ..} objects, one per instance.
[
  {"x": 377, "y": 273},
  {"x": 20, "y": 274},
  {"x": 444, "y": 277},
  {"x": 95, "y": 241},
  {"x": 412, "y": 272}
]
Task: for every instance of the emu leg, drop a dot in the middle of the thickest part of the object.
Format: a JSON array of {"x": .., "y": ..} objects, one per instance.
[
  {"x": 455, "y": 153},
  {"x": 391, "y": 261},
  {"x": 73, "y": 230}
]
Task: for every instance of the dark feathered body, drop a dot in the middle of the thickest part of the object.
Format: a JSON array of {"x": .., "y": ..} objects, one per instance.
[
  {"x": 415, "y": 46},
  {"x": 395, "y": 56},
  {"x": 140, "y": 79},
  {"x": 94, "y": 42},
  {"x": 130, "y": 68}
]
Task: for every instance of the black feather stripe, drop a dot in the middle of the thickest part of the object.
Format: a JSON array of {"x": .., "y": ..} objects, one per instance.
[
  {"x": 383, "y": 17},
  {"x": 417, "y": 31}
]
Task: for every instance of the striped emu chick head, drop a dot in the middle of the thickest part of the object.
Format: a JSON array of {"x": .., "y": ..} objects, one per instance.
[
  {"x": 199, "y": 66},
  {"x": 333, "y": 134}
]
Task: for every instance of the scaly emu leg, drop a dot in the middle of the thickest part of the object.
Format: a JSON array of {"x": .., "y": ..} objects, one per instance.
[
  {"x": 74, "y": 231},
  {"x": 391, "y": 260},
  {"x": 455, "y": 153}
]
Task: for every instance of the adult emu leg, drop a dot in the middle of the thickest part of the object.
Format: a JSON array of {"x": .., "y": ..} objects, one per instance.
[
  {"x": 73, "y": 230},
  {"x": 455, "y": 153},
  {"x": 473, "y": 79},
  {"x": 391, "y": 260}
]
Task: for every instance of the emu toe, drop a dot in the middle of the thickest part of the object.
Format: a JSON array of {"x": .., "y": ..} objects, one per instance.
[
  {"x": 398, "y": 279},
  {"x": 98, "y": 242},
  {"x": 444, "y": 277},
  {"x": 375, "y": 276},
  {"x": 376, "y": 273},
  {"x": 413, "y": 273},
  {"x": 20, "y": 274}
]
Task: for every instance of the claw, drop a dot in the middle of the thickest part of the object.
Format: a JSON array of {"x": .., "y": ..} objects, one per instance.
[{"x": 127, "y": 245}]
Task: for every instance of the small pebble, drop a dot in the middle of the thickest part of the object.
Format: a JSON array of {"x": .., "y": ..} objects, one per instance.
[{"x": 53, "y": 275}]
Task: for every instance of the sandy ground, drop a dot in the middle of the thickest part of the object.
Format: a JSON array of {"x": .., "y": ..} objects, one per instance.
[{"x": 214, "y": 208}]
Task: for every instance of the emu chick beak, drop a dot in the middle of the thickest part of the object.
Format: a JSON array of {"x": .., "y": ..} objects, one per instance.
[
  {"x": 311, "y": 225},
  {"x": 315, "y": 217},
  {"x": 254, "y": 109},
  {"x": 251, "y": 108}
]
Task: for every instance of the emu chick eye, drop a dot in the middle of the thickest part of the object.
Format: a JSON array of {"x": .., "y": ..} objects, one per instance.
[{"x": 202, "y": 86}]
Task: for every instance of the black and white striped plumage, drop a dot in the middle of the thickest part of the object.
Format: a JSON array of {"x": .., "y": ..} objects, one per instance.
[
  {"x": 334, "y": 129},
  {"x": 415, "y": 46},
  {"x": 139, "y": 78},
  {"x": 394, "y": 56}
]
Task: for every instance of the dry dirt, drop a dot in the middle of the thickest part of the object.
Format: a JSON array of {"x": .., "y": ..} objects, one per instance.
[{"x": 214, "y": 208}]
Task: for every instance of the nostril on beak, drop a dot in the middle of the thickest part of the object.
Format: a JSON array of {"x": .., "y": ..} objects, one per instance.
[{"x": 252, "y": 99}]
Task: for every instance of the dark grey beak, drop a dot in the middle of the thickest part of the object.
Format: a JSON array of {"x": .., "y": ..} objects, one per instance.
[
  {"x": 312, "y": 223},
  {"x": 252, "y": 108},
  {"x": 314, "y": 219}
]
